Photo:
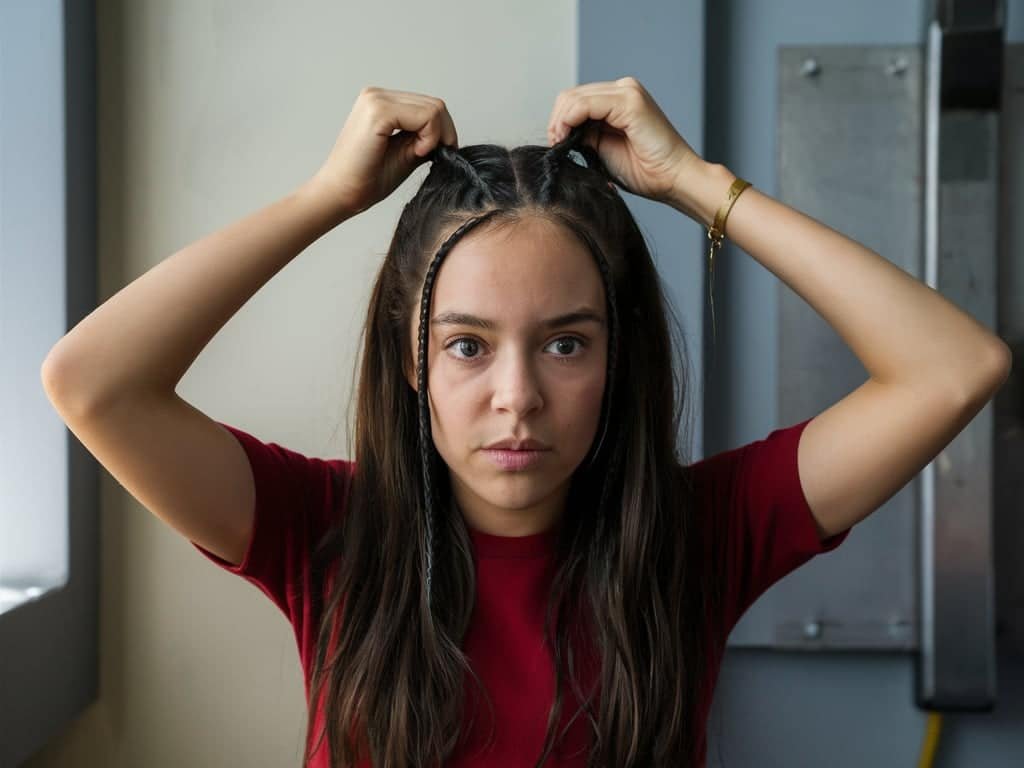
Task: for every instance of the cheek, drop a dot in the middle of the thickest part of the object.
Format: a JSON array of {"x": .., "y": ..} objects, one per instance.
[
  {"x": 590, "y": 388},
  {"x": 451, "y": 415},
  {"x": 582, "y": 410}
]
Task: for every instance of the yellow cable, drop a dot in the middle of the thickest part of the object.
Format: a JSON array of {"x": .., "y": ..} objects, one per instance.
[{"x": 931, "y": 740}]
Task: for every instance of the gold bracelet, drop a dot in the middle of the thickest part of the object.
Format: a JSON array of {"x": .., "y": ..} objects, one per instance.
[
  {"x": 717, "y": 230},
  {"x": 716, "y": 233}
]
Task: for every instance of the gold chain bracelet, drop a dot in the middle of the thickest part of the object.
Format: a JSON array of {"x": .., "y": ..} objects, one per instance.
[{"x": 716, "y": 234}]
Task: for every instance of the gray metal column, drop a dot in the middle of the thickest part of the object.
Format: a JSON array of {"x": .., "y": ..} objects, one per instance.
[{"x": 956, "y": 667}]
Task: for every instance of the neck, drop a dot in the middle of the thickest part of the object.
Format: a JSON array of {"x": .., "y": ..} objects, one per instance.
[{"x": 498, "y": 520}]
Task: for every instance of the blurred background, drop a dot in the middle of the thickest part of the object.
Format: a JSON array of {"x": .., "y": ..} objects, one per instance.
[{"x": 129, "y": 129}]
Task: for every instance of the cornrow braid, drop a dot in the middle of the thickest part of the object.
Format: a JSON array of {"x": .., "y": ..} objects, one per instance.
[
  {"x": 456, "y": 159},
  {"x": 426, "y": 442},
  {"x": 552, "y": 162},
  {"x": 558, "y": 154}
]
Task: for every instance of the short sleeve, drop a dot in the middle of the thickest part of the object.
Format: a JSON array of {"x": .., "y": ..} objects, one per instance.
[
  {"x": 759, "y": 522},
  {"x": 298, "y": 498}
]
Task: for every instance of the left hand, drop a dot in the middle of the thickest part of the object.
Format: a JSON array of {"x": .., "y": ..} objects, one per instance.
[{"x": 634, "y": 139}]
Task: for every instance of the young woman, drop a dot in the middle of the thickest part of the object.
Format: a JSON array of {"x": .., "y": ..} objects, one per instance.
[{"x": 519, "y": 566}]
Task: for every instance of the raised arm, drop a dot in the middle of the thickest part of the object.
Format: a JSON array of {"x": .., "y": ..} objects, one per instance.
[
  {"x": 113, "y": 377},
  {"x": 932, "y": 366}
]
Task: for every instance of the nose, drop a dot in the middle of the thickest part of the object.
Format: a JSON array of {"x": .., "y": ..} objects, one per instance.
[{"x": 516, "y": 387}]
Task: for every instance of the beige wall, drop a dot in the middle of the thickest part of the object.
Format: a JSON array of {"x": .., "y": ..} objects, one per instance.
[{"x": 208, "y": 111}]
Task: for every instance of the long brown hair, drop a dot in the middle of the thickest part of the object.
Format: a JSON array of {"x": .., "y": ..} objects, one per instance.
[{"x": 388, "y": 663}]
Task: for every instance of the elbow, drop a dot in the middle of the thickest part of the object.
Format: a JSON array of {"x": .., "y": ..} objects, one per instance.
[
  {"x": 988, "y": 377},
  {"x": 1001, "y": 365},
  {"x": 50, "y": 378},
  {"x": 58, "y": 384}
]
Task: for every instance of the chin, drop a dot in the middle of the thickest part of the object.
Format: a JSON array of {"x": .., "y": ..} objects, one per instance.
[{"x": 507, "y": 490}]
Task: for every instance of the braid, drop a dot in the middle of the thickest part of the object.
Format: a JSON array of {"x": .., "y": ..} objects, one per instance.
[
  {"x": 456, "y": 159},
  {"x": 552, "y": 162},
  {"x": 421, "y": 382},
  {"x": 558, "y": 154}
]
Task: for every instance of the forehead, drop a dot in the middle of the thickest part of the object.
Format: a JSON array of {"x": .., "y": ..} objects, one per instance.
[{"x": 522, "y": 270}]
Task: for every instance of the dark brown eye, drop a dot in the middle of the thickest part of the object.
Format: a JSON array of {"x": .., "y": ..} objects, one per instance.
[{"x": 565, "y": 346}]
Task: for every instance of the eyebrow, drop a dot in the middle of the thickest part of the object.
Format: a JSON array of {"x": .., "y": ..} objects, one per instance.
[{"x": 581, "y": 315}]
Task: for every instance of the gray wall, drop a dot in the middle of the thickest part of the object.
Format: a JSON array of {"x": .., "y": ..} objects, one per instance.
[{"x": 713, "y": 71}]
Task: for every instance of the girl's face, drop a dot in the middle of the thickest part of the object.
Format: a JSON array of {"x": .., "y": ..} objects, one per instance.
[{"x": 511, "y": 374}]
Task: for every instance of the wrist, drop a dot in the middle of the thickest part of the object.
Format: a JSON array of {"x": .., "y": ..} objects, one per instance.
[
  {"x": 319, "y": 194},
  {"x": 700, "y": 190}
]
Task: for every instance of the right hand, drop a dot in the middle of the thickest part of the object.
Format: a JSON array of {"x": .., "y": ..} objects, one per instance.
[{"x": 367, "y": 162}]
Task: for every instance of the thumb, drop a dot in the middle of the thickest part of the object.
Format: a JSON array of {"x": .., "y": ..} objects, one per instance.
[
  {"x": 425, "y": 142},
  {"x": 404, "y": 146}
]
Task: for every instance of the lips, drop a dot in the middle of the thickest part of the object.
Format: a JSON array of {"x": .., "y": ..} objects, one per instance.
[
  {"x": 511, "y": 444},
  {"x": 515, "y": 460}
]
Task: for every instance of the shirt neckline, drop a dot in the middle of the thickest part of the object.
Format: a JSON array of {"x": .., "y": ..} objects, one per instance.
[{"x": 491, "y": 545}]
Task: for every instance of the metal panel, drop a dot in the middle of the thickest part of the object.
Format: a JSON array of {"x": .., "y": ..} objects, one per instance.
[
  {"x": 852, "y": 153},
  {"x": 849, "y": 155}
]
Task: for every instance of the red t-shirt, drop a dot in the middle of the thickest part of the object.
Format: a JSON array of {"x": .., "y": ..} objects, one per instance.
[{"x": 758, "y": 522}]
